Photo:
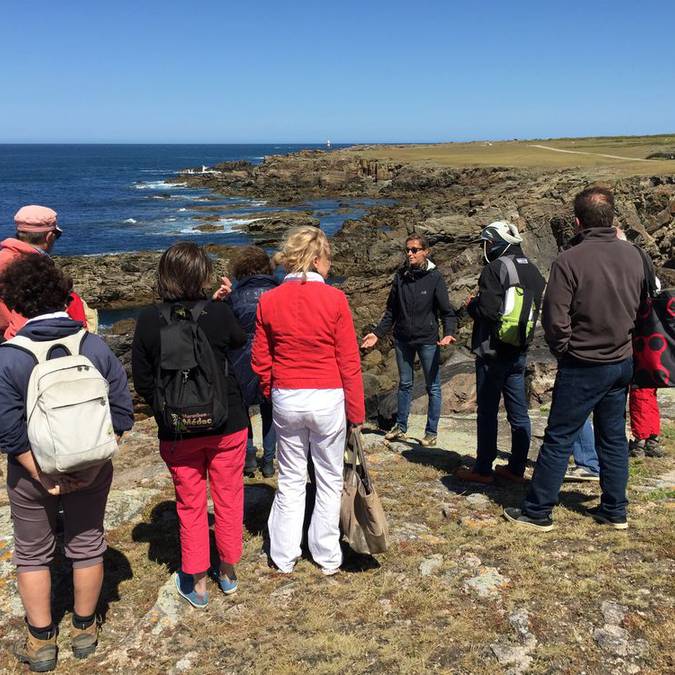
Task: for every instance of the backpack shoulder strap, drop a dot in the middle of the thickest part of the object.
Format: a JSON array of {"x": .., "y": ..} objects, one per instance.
[
  {"x": 508, "y": 272},
  {"x": 42, "y": 351},
  {"x": 650, "y": 273},
  {"x": 198, "y": 309},
  {"x": 164, "y": 309}
]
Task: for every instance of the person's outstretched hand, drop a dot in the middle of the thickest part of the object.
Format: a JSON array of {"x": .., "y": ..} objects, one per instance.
[
  {"x": 224, "y": 290},
  {"x": 447, "y": 340},
  {"x": 369, "y": 341}
]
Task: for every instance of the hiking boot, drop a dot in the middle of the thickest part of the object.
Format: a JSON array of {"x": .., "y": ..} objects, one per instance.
[
  {"x": 395, "y": 434},
  {"x": 575, "y": 473},
  {"x": 636, "y": 448},
  {"x": 40, "y": 655},
  {"x": 653, "y": 447},
  {"x": 429, "y": 440},
  {"x": 470, "y": 475},
  {"x": 268, "y": 469},
  {"x": 517, "y": 517},
  {"x": 84, "y": 640},
  {"x": 504, "y": 472},
  {"x": 603, "y": 518}
]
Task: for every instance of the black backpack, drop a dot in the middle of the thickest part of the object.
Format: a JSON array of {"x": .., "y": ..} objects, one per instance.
[
  {"x": 654, "y": 335},
  {"x": 190, "y": 386}
]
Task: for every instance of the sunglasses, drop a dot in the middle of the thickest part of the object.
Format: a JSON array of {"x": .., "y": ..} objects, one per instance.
[{"x": 413, "y": 249}]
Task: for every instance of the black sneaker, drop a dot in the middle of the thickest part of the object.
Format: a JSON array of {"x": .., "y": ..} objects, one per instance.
[
  {"x": 636, "y": 448},
  {"x": 653, "y": 447},
  {"x": 517, "y": 517},
  {"x": 268, "y": 469},
  {"x": 600, "y": 516}
]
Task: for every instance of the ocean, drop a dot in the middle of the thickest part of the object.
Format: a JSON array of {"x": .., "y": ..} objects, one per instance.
[{"x": 114, "y": 198}]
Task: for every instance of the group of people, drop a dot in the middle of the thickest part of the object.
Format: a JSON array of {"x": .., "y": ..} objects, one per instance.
[{"x": 201, "y": 359}]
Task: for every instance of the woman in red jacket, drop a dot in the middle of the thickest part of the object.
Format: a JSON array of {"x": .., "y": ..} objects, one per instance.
[{"x": 306, "y": 356}]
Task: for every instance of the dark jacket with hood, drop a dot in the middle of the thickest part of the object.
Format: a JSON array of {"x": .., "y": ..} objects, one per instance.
[
  {"x": 594, "y": 292},
  {"x": 16, "y": 367},
  {"x": 417, "y": 300},
  {"x": 244, "y": 302},
  {"x": 486, "y": 307}
]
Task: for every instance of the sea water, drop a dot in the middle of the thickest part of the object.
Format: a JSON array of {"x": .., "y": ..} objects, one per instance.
[{"x": 115, "y": 198}]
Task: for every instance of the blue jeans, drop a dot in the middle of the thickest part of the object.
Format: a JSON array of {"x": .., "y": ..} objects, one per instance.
[
  {"x": 268, "y": 434},
  {"x": 579, "y": 390},
  {"x": 430, "y": 359},
  {"x": 494, "y": 377},
  {"x": 583, "y": 449}
]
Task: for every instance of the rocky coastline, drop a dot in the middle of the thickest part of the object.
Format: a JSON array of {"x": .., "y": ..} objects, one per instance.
[{"x": 448, "y": 205}]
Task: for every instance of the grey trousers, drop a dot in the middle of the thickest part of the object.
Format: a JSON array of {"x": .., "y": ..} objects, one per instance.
[{"x": 34, "y": 518}]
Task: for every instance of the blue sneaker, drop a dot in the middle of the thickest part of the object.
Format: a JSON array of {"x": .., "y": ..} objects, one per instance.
[
  {"x": 185, "y": 586},
  {"x": 227, "y": 585}
]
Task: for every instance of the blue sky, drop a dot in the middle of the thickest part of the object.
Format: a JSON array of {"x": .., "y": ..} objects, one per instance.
[{"x": 219, "y": 71}]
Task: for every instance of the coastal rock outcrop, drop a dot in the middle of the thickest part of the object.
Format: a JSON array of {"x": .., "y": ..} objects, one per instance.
[{"x": 448, "y": 205}]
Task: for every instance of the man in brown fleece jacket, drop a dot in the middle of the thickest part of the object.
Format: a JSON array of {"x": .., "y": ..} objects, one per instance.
[{"x": 594, "y": 292}]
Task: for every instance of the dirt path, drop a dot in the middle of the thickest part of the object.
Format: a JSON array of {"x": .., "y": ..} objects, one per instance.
[{"x": 594, "y": 154}]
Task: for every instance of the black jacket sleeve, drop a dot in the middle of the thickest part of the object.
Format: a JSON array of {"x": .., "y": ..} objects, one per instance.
[
  {"x": 445, "y": 310},
  {"x": 144, "y": 354},
  {"x": 389, "y": 317},
  {"x": 487, "y": 304}
]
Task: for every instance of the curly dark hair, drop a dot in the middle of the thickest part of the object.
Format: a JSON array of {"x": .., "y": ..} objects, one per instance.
[
  {"x": 34, "y": 285},
  {"x": 250, "y": 260}
]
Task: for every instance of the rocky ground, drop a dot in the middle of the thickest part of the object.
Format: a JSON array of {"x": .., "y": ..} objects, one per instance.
[{"x": 459, "y": 591}]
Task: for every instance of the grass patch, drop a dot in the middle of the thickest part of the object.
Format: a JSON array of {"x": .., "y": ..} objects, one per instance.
[{"x": 524, "y": 154}]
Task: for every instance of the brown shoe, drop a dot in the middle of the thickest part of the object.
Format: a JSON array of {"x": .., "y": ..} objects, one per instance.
[
  {"x": 429, "y": 440},
  {"x": 40, "y": 655},
  {"x": 84, "y": 640},
  {"x": 470, "y": 475},
  {"x": 395, "y": 434},
  {"x": 504, "y": 472}
]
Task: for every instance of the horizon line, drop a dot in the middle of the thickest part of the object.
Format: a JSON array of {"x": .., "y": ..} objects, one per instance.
[{"x": 338, "y": 143}]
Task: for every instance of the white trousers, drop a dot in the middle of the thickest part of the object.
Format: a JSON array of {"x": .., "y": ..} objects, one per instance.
[{"x": 321, "y": 432}]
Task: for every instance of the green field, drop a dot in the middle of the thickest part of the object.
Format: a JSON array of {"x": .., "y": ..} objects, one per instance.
[{"x": 630, "y": 153}]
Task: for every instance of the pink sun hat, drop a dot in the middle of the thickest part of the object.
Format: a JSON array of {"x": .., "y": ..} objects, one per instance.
[{"x": 35, "y": 218}]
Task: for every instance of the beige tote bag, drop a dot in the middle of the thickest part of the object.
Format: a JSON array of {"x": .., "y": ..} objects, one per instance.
[{"x": 362, "y": 520}]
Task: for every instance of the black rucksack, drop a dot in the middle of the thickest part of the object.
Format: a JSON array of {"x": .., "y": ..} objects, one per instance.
[
  {"x": 654, "y": 334},
  {"x": 190, "y": 386}
]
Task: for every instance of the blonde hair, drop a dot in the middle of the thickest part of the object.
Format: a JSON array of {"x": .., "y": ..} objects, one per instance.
[{"x": 301, "y": 247}]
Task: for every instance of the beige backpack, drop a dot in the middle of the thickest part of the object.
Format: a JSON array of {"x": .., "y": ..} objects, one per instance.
[{"x": 67, "y": 408}]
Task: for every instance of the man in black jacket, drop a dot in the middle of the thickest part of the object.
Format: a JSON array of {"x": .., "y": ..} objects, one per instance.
[
  {"x": 504, "y": 313},
  {"x": 418, "y": 298}
]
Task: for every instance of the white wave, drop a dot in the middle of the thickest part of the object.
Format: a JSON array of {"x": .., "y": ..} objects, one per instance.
[
  {"x": 181, "y": 210},
  {"x": 131, "y": 221},
  {"x": 237, "y": 221},
  {"x": 158, "y": 185}
]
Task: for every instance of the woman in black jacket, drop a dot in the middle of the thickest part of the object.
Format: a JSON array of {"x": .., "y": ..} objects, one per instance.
[
  {"x": 417, "y": 300},
  {"x": 185, "y": 272}
]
